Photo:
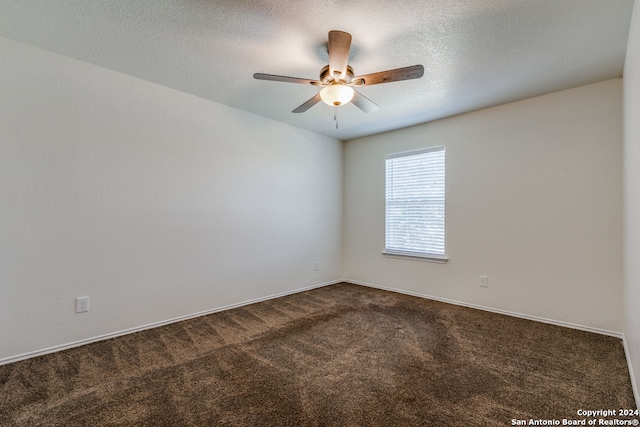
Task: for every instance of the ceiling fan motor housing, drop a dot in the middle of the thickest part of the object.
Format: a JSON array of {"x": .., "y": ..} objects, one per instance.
[{"x": 326, "y": 78}]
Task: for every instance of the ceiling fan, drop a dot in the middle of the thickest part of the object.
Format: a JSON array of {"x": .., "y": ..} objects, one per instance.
[{"x": 337, "y": 79}]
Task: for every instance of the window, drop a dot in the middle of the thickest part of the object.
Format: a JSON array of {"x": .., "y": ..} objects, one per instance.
[{"x": 415, "y": 209}]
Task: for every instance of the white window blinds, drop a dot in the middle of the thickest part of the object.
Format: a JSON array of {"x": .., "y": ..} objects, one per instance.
[{"x": 415, "y": 208}]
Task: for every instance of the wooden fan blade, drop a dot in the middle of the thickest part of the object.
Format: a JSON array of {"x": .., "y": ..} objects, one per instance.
[
  {"x": 399, "y": 74},
  {"x": 339, "y": 45},
  {"x": 364, "y": 103},
  {"x": 310, "y": 103},
  {"x": 275, "y": 78}
]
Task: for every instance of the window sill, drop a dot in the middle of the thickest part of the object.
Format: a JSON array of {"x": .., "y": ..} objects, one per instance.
[{"x": 440, "y": 259}]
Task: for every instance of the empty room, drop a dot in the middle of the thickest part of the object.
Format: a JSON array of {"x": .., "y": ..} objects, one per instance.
[{"x": 329, "y": 213}]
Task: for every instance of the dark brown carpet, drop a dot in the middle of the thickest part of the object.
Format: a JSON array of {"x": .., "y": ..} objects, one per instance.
[{"x": 342, "y": 355}]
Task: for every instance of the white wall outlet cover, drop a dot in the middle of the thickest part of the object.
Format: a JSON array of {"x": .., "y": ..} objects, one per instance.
[
  {"x": 484, "y": 281},
  {"x": 82, "y": 304}
]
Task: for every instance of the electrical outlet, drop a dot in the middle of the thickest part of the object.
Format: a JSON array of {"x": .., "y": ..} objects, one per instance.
[
  {"x": 484, "y": 281},
  {"x": 317, "y": 265},
  {"x": 82, "y": 304}
]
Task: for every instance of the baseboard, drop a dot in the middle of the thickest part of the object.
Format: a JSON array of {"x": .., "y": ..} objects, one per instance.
[
  {"x": 634, "y": 384},
  {"x": 493, "y": 310},
  {"x": 79, "y": 343}
]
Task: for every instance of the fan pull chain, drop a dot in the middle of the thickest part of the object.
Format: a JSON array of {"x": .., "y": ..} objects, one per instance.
[{"x": 335, "y": 116}]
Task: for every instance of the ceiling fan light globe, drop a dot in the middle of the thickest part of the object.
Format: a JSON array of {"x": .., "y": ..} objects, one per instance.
[{"x": 337, "y": 94}]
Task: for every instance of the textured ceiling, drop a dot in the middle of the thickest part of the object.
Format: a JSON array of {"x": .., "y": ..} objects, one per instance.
[{"x": 476, "y": 54}]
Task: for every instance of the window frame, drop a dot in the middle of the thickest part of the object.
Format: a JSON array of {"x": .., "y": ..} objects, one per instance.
[{"x": 410, "y": 254}]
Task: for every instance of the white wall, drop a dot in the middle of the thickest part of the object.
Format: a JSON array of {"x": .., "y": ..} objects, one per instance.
[
  {"x": 154, "y": 203},
  {"x": 534, "y": 201},
  {"x": 632, "y": 198}
]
